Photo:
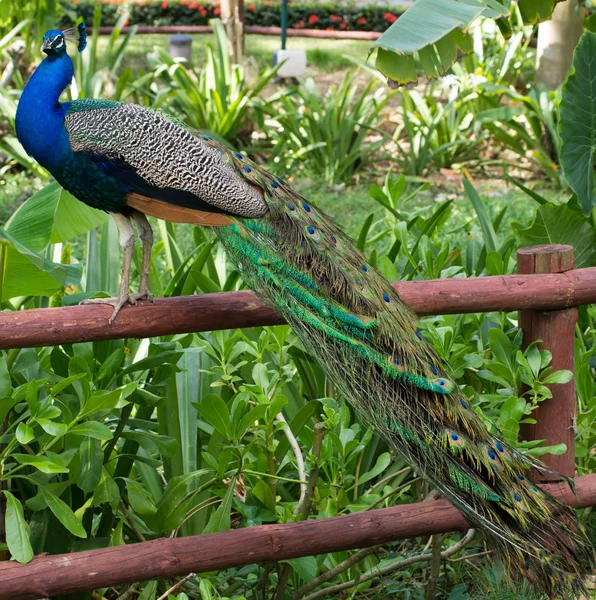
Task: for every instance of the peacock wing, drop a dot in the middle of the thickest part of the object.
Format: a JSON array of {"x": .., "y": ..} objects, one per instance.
[{"x": 164, "y": 169}]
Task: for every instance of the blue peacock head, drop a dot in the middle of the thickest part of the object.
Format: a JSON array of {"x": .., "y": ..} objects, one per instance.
[
  {"x": 54, "y": 40},
  {"x": 54, "y": 43}
]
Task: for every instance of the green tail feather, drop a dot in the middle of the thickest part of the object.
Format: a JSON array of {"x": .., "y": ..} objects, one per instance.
[{"x": 355, "y": 326}]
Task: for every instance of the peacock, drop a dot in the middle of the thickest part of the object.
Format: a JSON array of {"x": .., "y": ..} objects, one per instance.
[{"x": 132, "y": 161}]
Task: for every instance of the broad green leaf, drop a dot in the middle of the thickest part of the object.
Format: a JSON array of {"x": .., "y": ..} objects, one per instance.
[
  {"x": 24, "y": 433},
  {"x": 557, "y": 450},
  {"x": 215, "y": 411},
  {"x": 220, "y": 519},
  {"x": 563, "y": 376},
  {"x": 52, "y": 215},
  {"x": 382, "y": 463},
  {"x": 431, "y": 29},
  {"x": 577, "y": 127},
  {"x": 536, "y": 11},
  {"x": 17, "y": 530},
  {"x": 306, "y": 567},
  {"x": 139, "y": 498},
  {"x": 149, "y": 591},
  {"x": 63, "y": 513},
  {"x": 44, "y": 463},
  {"x": 170, "y": 511},
  {"x": 102, "y": 400},
  {"x": 6, "y": 405},
  {"x": 27, "y": 273},
  {"x": 490, "y": 237},
  {"x": 153, "y": 442},
  {"x": 52, "y": 427},
  {"x": 91, "y": 464},
  {"x": 559, "y": 224},
  {"x": 5, "y": 383},
  {"x": 62, "y": 385},
  {"x": 106, "y": 491},
  {"x": 98, "y": 431}
]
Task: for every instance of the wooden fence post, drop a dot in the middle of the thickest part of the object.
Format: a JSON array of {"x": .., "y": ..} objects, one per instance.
[{"x": 555, "y": 418}]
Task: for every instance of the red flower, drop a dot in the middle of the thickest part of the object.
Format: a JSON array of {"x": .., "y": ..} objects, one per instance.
[
  {"x": 312, "y": 19},
  {"x": 252, "y": 7},
  {"x": 202, "y": 10},
  {"x": 164, "y": 5},
  {"x": 299, "y": 24},
  {"x": 342, "y": 26},
  {"x": 389, "y": 17},
  {"x": 193, "y": 5},
  {"x": 216, "y": 11},
  {"x": 335, "y": 18},
  {"x": 184, "y": 2},
  {"x": 360, "y": 21}
]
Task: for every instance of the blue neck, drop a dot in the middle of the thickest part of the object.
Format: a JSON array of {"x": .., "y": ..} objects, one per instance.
[{"x": 40, "y": 116}]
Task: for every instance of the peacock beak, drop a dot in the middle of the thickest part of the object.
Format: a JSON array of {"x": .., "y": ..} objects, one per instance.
[{"x": 46, "y": 46}]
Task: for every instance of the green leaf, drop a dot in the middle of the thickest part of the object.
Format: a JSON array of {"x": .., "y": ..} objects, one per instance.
[
  {"x": 24, "y": 433},
  {"x": 170, "y": 512},
  {"x": 153, "y": 442},
  {"x": 52, "y": 215},
  {"x": 382, "y": 463},
  {"x": 63, "y": 513},
  {"x": 44, "y": 463},
  {"x": 220, "y": 519},
  {"x": 559, "y": 224},
  {"x": 62, "y": 385},
  {"x": 27, "y": 273},
  {"x": 490, "y": 237},
  {"x": 577, "y": 127},
  {"x": 102, "y": 400},
  {"x": 306, "y": 567},
  {"x": 149, "y": 591},
  {"x": 215, "y": 411},
  {"x": 53, "y": 428},
  {"x": 556, "y": 450},
  {"x": 5, "y": 383},
  {"x": 139, "y": 498},
  {"x": 98, "y": 431},
  {"x": 433, "y": 30},
  {"x": 91, "y": 464},
  {"x": 106, "y": 491},
  {"x": 562, "y": 376},
  {"x": 17, "y": 530}
]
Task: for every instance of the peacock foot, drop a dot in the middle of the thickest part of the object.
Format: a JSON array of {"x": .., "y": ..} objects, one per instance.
[
  {"x": 141, "y": 295},
  {"x": 117, "y": 303}
]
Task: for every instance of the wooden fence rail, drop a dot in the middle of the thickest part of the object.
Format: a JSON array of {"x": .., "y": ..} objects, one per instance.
[
  {"x": 228, "y": 310},
  {"x": 546, "y": 294},
  {"x": 46, "y": 576},
  {"x": 252, "y": 29}
]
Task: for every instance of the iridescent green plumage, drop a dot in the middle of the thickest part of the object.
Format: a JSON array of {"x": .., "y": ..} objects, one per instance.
[{"x": 354, "y": 325}]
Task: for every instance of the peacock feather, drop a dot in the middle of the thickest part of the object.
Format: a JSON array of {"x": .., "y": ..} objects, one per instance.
[
  {"x": 131, "y": 161},
  {"x": 354, "y": 325}
]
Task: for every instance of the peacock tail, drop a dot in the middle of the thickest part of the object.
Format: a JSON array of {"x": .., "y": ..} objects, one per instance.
[{"x": 353, "y": 324}]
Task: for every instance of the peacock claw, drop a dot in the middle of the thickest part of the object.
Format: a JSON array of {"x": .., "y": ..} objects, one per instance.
[
  {"x": 117, "y": 303},
  {"x": 141, "y": 295}
]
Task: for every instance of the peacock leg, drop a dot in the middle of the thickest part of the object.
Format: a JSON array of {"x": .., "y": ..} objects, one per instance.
[
  {"x": 146, "y": 235},
  {"x": 127, "y": 241}
]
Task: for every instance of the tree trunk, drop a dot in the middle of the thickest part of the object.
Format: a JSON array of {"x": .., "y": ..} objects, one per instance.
[
  {"x": 557, "y": 40},
  {"x": 232, "y": 16}
]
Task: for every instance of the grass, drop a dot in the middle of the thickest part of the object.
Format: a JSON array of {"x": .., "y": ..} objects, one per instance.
[{"x": 324, "y": 55}]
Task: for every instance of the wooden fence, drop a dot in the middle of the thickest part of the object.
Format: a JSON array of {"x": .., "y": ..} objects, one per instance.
[{"x": 546, "y": 292}]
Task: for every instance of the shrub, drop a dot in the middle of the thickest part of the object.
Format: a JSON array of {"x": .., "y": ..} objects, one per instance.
[{"x": 303, "y": 15}]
